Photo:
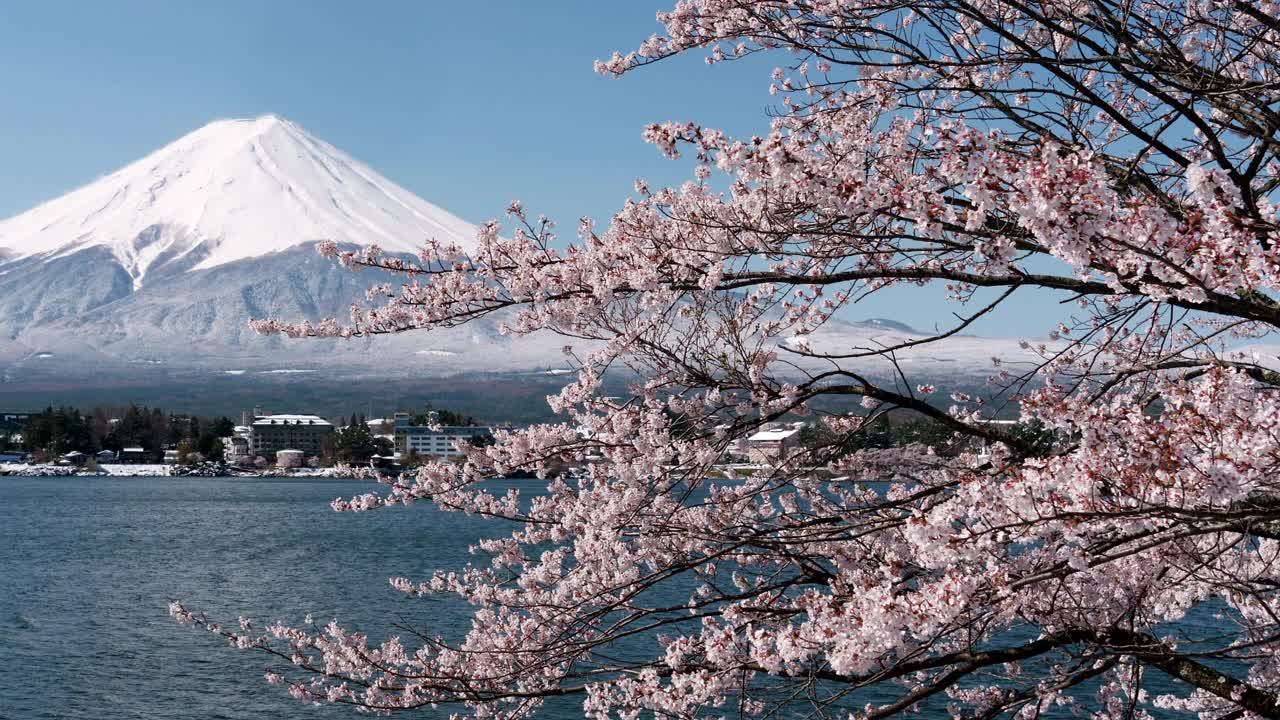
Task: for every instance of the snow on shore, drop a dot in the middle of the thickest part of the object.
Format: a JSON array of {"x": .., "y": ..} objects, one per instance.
[
  {"x": 44, "y": 470},
  {"x": 112, "y": 470}
]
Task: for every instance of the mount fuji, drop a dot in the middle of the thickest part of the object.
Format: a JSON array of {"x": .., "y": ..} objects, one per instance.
[
  {"x": 156, "y": 268},
  {"x": 164, "y": 261}
]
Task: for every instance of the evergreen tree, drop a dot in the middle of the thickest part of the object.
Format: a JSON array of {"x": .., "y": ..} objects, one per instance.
[
  {"x": 355, "y": 443},
  {"x": 60, "y": 431},
  {"x": 216, "y": 451},
  {"x": 223, "y": 427}
]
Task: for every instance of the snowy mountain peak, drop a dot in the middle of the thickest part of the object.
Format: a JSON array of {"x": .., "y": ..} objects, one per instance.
[{"x": 233, "y": 189}]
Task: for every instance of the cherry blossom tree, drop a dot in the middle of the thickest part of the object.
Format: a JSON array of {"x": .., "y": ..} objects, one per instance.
[{"x": 1119, "y": 154}]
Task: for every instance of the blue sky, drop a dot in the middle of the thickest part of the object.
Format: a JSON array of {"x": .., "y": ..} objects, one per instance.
[{"x": 469, "y": 105}]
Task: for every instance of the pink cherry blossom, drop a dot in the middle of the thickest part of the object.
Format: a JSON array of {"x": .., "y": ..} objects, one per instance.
[{"x": 1122, "y": 157}]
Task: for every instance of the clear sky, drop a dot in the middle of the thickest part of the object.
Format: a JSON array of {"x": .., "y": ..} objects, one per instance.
[{"x": 469, "y": 105}]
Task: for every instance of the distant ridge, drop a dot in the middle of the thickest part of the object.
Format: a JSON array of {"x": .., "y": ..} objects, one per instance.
[
  {"x": 885, "y": 324},
  {"x": 152, "y": 273}
]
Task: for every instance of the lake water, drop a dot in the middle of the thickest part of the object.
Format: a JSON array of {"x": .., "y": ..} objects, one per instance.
[{"x": 88, "y": 566}]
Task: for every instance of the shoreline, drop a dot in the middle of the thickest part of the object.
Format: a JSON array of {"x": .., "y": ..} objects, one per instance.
[{"x": 174, "y": 471}]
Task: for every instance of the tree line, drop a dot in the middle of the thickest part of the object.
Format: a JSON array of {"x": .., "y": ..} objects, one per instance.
[{"x": 57, "y": 431}]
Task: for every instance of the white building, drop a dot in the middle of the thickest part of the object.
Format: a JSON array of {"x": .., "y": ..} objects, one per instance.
[
  {"x": 441, "y": 442},
  {"x": 235, "y": 449},
  {"x": 773, "y": 443}
]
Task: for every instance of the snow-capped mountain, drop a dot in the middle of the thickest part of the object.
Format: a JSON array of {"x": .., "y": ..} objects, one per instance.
[
  {"x": 233, "y": 189},
  {"x": 164, "y": 261}
]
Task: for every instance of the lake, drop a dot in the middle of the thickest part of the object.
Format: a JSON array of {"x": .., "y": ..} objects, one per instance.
[{"x": 89, "y": 566}]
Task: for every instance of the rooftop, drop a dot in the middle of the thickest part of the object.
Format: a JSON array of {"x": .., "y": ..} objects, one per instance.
[
  {"x": 290, "y": 420},
  {"x": 444, "y": 429},
  {"x": 773, "y": 435}
]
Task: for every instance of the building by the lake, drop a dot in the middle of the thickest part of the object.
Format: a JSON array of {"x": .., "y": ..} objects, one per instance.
[
  {"x": 14, "y": 419},
  {"x": 440, "y": 442},
  {"x": 135, "y": 455},
  {"x": 235, "y": 449},
  {"x": 75, "y": 457},
  {"x": 269, "y": 434}
]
